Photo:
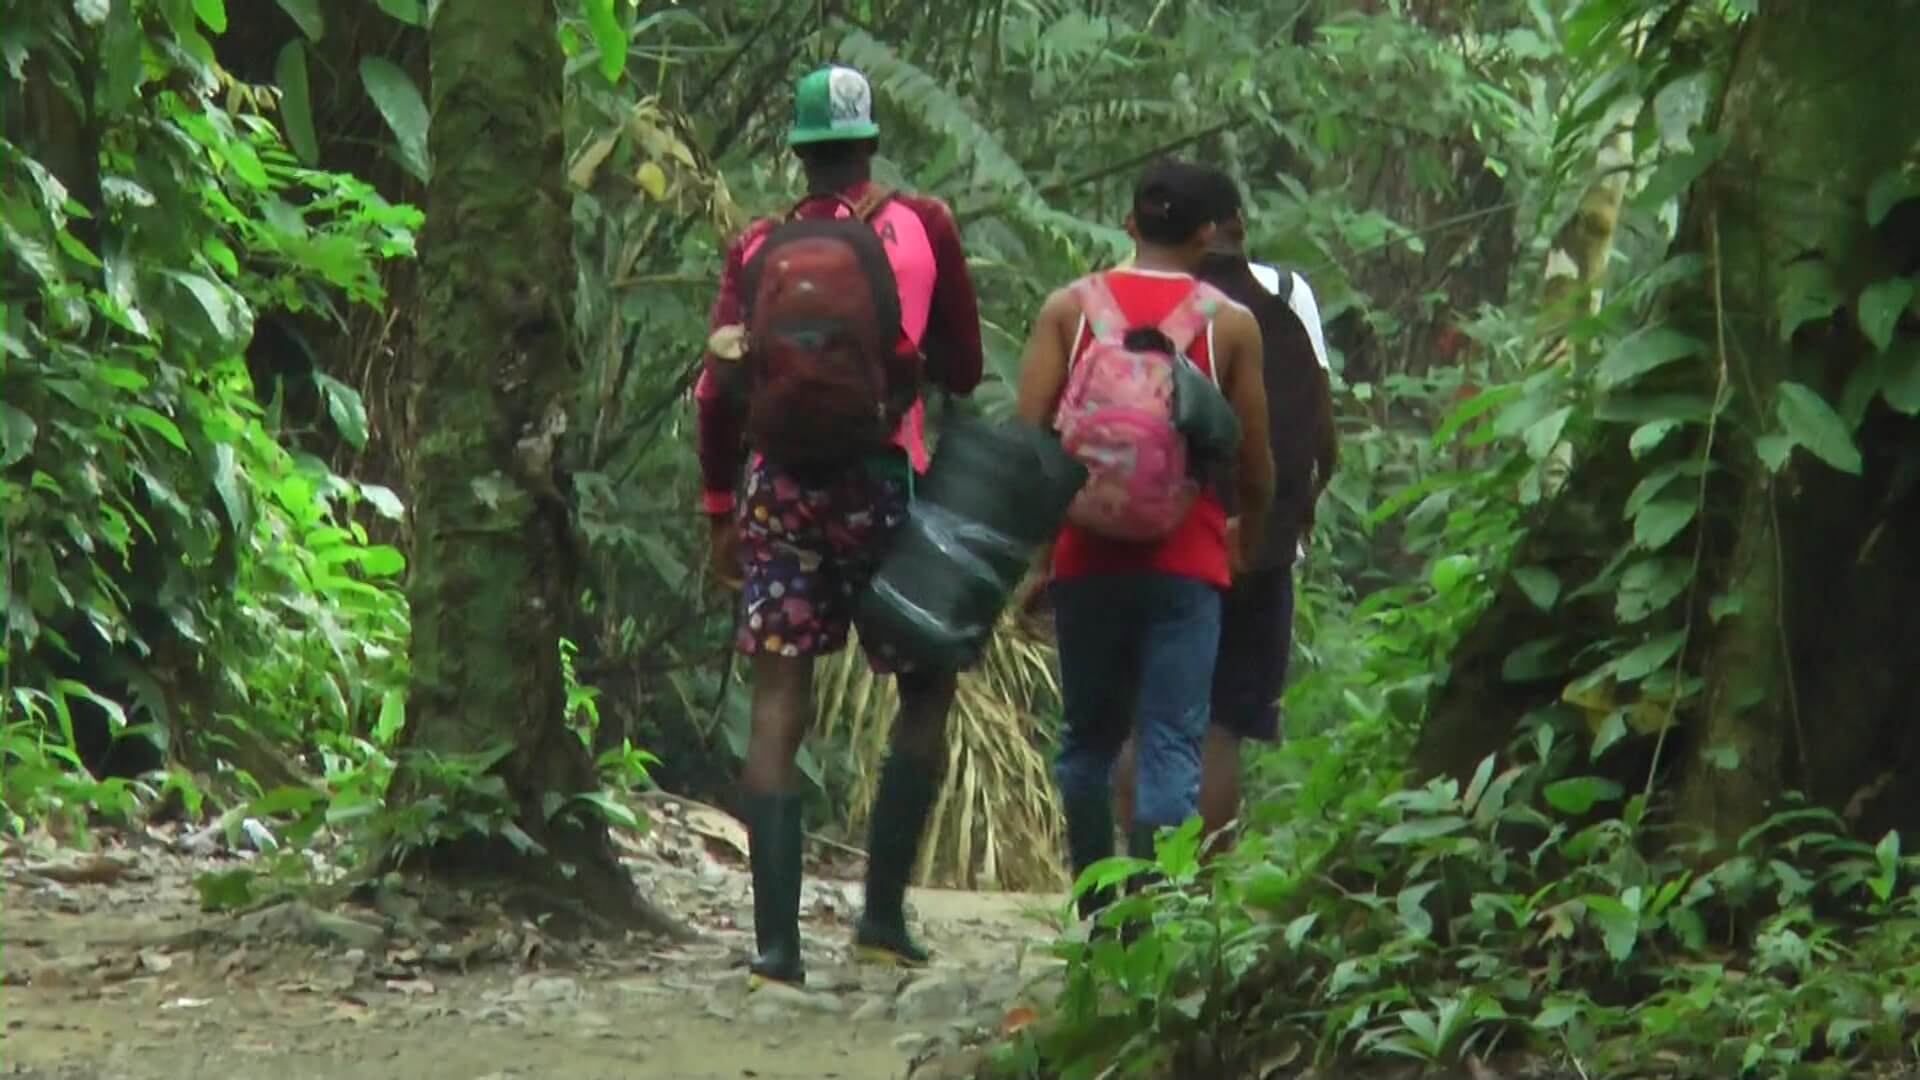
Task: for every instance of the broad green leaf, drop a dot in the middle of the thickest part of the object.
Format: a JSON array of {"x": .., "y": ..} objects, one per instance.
[
  {"x": 153, "y": 421},
  {"x": 344, "y": 405},
  {"x": 384, "y": 501},
  {"x": 1656, "y": 482},
  {"x": 1409, "y": 832},
  {"x": 1612, "y": 730},
  {"x": 1477, "y": 787},
  {"x": 1413, "y": 912},
  {"x": 382, "y": 561},
  {"x": 1812, "y": 423},
  {"x": 213, "y": 13},
  {"x": 405, "y": 111},
  {"x": 1619, "y": 925},
  {"x": 226, "y": 483},
  {"x": 307, "y": 14},
  {"x": 1474, "y": 407},
  {"x": 1449, "y": 573},
  {"x": 1648, "y": 658},
  {"x": 1647, "y": 437},
  {"x": 1842, "y": 1029},
  {"x": 1660, "y": 521},
  {"x": 1901, "y": 385},
  {"x": 1533, "y": 661},
  {"x": 31, "y": 252},
  {"x": 1541, "y": 585},
  {"x": 214, "y": 301},
  {"x": 1808, "y": 292},
  {"x": 120, "y": 56},
  {"x": 1299, "y": 928},
  {"x": 407, "y": 11},
  {"x": 1881, "y": 305},
  {"x": 1579, "y": 794},
  {"x": 1645, "y": 351},
  {"x": 17, "y": 432},
  {"x": 1774, "y": 451},
  {"x": 393, "y": 717},
  {"x": 296, "y": 104},
  {"x": 1544, "y": 434},
  {"x": 1649, "y": 586},
  {"x": 1554, "y": 1016},
  {"x": 608, "y": 37},
  {"x": 1894, "y": 187},
  {"x": 1679, "y": 172}
]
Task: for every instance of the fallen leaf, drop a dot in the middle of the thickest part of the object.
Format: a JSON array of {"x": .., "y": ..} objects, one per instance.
[
  {"x": 187, "y": 1003},
  {"x": 410, "y": 987},
  {"x": 1017, "y": 1018}
]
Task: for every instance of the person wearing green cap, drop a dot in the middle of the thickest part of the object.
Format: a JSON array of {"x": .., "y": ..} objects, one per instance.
[{"x": 805, "y": 540}]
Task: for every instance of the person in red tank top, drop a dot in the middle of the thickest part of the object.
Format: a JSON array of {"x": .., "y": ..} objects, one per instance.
[{"x": 1138, "y": 624}]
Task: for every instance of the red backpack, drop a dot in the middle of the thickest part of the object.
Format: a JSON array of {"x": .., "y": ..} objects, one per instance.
[{"x": 828, "y": 377}]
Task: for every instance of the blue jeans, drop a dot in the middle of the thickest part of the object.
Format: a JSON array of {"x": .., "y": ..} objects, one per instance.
[{"x": 1136, "y": 649}]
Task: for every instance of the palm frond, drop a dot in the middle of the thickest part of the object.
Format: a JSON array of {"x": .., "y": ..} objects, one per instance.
[{"x": 996, "y": 820}]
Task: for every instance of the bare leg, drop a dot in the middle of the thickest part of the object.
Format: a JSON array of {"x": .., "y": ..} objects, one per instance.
[
  {"x": 1219, "y": 783},
  {"x": 782, "y": 712}
]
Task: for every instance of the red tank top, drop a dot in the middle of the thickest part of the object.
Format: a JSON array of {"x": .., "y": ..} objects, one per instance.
[{"x": 1198, "y": 547}]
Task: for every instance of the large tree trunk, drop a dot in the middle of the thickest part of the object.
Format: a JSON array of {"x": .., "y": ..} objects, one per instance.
[
  {"x": 494, "y": 566},
  {"x": 1808, "y": 670}
]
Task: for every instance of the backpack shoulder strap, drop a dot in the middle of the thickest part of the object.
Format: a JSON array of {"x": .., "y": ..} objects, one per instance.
[
  {"x": 1191, "y": 317},
  {"x": 793, "y": 214},
  {"x": 1100, "y": 308},
  {"x": 870, "y": 204}
]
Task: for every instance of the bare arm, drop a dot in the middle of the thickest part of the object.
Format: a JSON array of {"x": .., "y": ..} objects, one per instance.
[
  {"x": 1043, "y": 367},
  {"x": 1043, "y": 374},
  {"x": 1243, "y": 378}
]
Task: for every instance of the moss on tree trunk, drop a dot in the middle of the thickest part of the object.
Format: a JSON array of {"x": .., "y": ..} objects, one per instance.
[
  {"x": 1808, "y": 670},
  {"x": 494, "y": 565}
]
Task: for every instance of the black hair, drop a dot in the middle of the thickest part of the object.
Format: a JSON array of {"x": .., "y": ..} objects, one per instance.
[
  {"x": 1170, "y": 202},
  {"x": 1222, "y": 195}
]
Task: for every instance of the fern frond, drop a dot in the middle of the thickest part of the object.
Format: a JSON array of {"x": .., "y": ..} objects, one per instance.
[{"x": 996, "y": 820}]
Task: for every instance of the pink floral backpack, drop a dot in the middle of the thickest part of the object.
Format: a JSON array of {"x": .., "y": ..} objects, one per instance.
[{"x": 1116, "y": 416}]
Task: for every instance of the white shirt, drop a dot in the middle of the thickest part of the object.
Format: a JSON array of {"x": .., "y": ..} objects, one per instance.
[{"x": 1301, "y": 300}]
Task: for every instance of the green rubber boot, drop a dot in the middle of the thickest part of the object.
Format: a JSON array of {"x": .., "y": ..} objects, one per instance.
[
  {"x": 773, "y": 848},
  {"x": 899, "y": 817}
]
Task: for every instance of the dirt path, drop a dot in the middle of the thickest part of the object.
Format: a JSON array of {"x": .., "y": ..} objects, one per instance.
[{"x": 100, "y": 985}]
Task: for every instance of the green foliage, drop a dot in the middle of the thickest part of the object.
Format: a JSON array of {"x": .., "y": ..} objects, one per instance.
[{"x": 198, "y": 578}]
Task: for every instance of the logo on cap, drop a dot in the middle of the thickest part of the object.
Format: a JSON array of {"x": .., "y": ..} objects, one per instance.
[{"x": 849, "y": 98}]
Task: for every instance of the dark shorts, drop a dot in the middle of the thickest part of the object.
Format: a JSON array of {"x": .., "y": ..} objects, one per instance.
[
  {"x": 1256, "y": 637},
  {"x": 809, "y": 544}
]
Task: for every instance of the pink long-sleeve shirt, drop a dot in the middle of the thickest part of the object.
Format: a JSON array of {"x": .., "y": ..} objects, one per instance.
[{"x": 939, "y": 314}]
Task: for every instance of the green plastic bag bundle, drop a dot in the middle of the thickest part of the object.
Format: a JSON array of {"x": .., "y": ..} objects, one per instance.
[{"x": 992, "y": 497}]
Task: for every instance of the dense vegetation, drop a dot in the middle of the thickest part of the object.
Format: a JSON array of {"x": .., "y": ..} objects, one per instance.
[{"x": 373, "y": 531}]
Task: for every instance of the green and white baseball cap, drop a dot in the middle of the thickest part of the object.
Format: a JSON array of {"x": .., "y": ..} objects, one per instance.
[{"x": 831, "y": 105}]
